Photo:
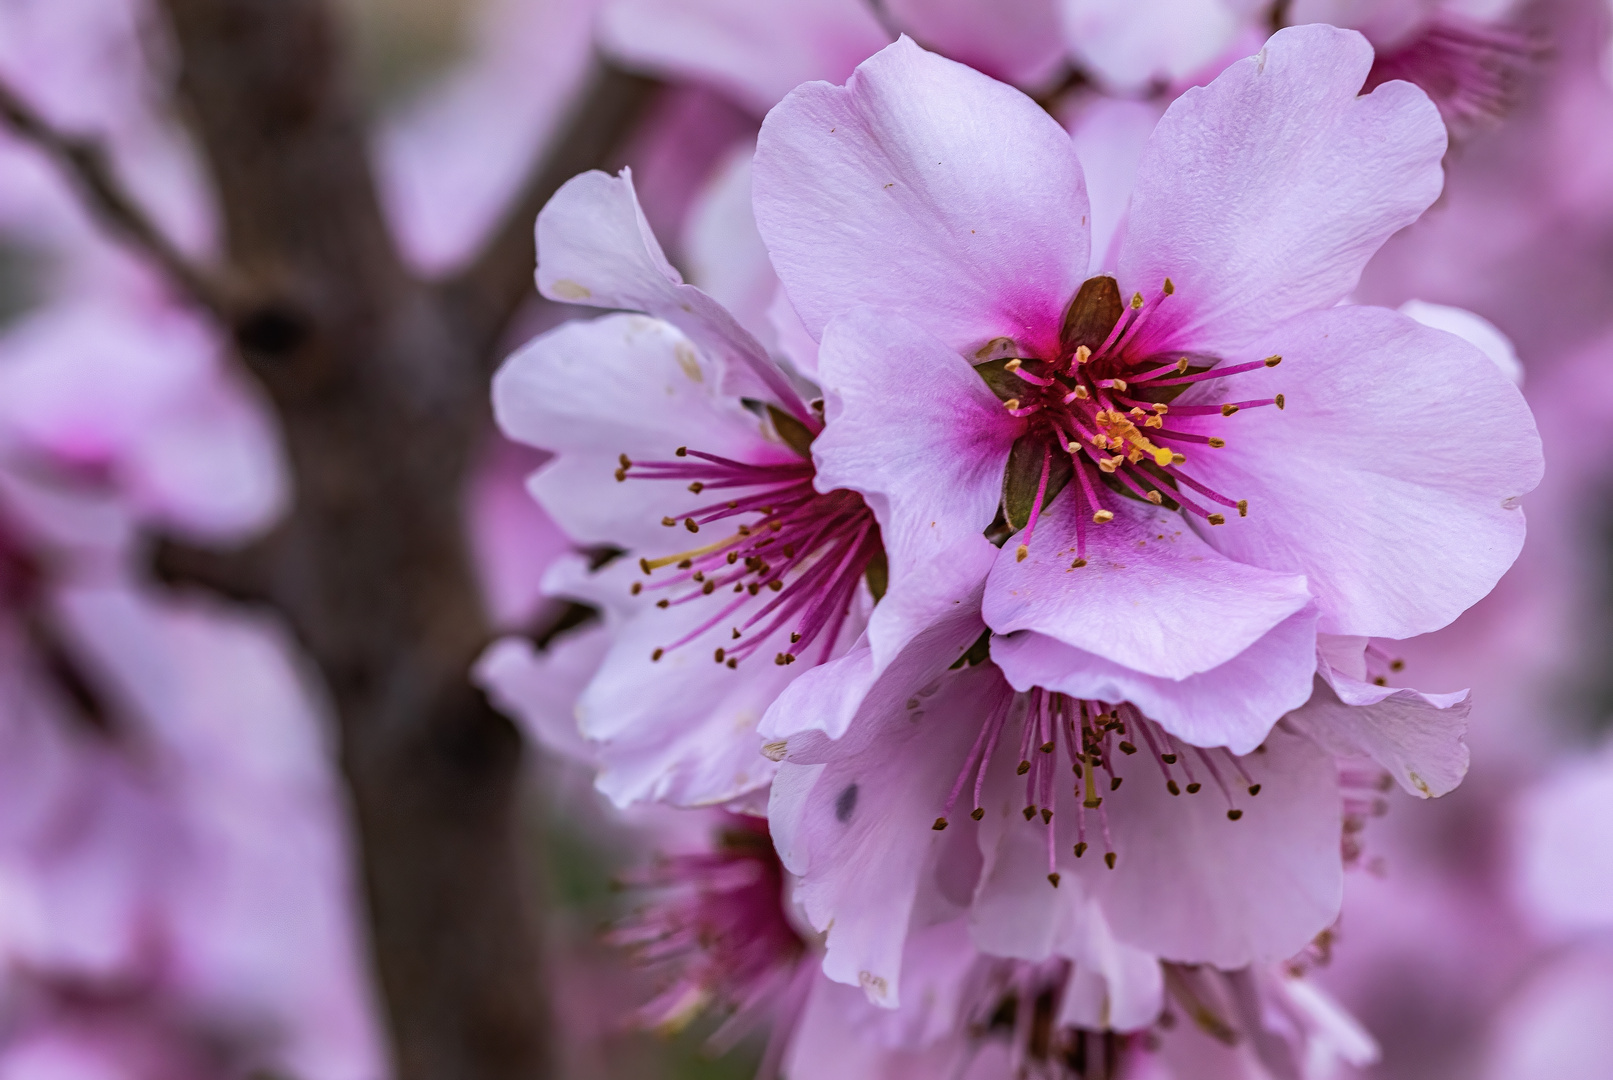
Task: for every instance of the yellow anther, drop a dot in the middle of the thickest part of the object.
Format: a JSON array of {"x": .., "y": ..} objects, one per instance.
[
  {"x": 1136, "y": 301},
  {"x": 1228, "y": 410},
  {"x": 1243, "y": 507},
  {"x": 1011, "y": 404},
  {"x": 1021, "y": 552},
  {"x": 1135, "y": 412},
  {"x": 1109, "y": 465},
  {"x": 1081, "y": 393},
  {"x": 1218, "y": 519},
  {"x": 1272, "y": 361},
  {"x": 1163, "y": 457},
  {"x": 1077, "y": 564},
  {"x": 1013, "y": 365},
  {"x": 1154, "y": 421},
  {"x": 1160, "y": 408},
  {"x": 1073, "y": 447},
  {"x": 1178, "y": 459},
  {"x": 1217, "y": 442},
  {"x": 1082, "y": 354},
  {"x": 1181, "y": 366},
  {"x": 1170, "y": 287},
  {"x": 1154, "y": 497},
  {"x": 1103, "y": 517}
]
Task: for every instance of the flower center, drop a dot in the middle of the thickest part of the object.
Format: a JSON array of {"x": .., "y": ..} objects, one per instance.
[
  {"x": 1097, "y": 415},
  {"x": 716, "y": 927},
  {"x": 793, "y": 560},
  {"x": 1090, "y": 734}
]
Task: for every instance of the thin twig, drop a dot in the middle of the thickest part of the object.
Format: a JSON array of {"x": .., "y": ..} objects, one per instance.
[{"x": 85, "y": 162}]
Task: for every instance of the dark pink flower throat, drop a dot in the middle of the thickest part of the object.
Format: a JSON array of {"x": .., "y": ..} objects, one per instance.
[{"x": 1099, "y": 417}]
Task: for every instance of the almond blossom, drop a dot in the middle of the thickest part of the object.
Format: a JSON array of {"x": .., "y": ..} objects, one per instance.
[{"x": 1147, "y": 455}]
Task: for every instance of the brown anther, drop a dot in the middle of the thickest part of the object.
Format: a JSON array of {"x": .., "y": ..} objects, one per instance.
[
  {"x": 627, "y": 462},
  {"x": 1114, "y": 784},
  {"x": 794, "y": 637},
  {"x": 1048, "y": 747},
  {"x": 779, "y": 660},
  {"x": 1156, "y": 498},
  {"x": 736, "y": 633},
  {"x": 1103, "y": 517},
  {"x": 1080, "y": 849},
  {"x": 1217, "y": 442},
  {"x": 1054, "y": 878},
  {"x": 1093, "y": 802},
  {"x": 1170, "y": 786},
  {"x": 1030, "y": 812},
  {"x": 1109, "y": 859},
  {"x": 1169, "y": 759},
  {"x": 708, "y": 588},
  {"x": 621, "y": 475},
  {"x": 1397, "y": 665},
  {"x": 684, "y": 564},
  {"x": 1281, "y": 402},
  {"x": 1181, "y": 366},
  {"x": 978, "y": 812},
  {"x": 733, "y": 506},
  {"x": 1047, "y": 816},
  {"x": 1170, "y": 287},
  {"x": 657, "y": 654},
  {"x": 1127, "y": 748},
  {"x": 1194, "y": 788},
  {"x": 1020, "y": 553},
  {"x": 1228, "y": 410},
  {"x": 1217, "y": 519},
  {"x": 682, "y": 451},
  {"x": 775, "y": 585},
  {"x": 697, "y": 487},
  {"x": 720, "y": 656},
  {"x": 1077, "y": 564},
  {"x": 733, "y": 662},
  {"x": 698, "y": 575},
  {"x": 733, "y": 557},
  {"x": 1024, "y": 767},
  {"x": 691, "y": 524},
  {"x": 1254, "y": 789},
  {"x": 1243, "y": 507},
  {"x": 1178, "y": 459},
  {"x": 636, "y": 588},
  {"x": 1272, "y": 361},
  {"x": 940, "y": 823},
  {"x": 663, "y": 603},
  {"x": 1234, "y": 815}
]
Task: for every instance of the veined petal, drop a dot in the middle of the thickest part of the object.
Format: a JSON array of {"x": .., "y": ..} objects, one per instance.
[
  {"x": 1262, "y": 195},
  {"x": 621, "y": 384},
  {"x": 839, "y": 804},
  {"x": 1392, "y": 478},
  {"x": 916, "y": 432},
  {"x": 596, "y": 248},
  {"x": 929, "y": 189},
  {"x": 1152, "y": 596}
]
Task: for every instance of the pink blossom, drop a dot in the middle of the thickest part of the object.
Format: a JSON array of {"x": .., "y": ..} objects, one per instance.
[
  {"x": 1292, "y": 524},
  {"x": 653, "y": 441}
]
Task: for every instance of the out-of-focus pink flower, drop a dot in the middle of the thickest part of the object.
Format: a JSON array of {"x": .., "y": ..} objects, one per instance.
[
  {"x": 1464, "y": 53},
  {"x": 452, "y": 157}
]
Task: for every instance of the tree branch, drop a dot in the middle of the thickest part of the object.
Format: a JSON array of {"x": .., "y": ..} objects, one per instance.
[
  {"x": 86, "y": 163},
  {"x": 488, "y": 292}
]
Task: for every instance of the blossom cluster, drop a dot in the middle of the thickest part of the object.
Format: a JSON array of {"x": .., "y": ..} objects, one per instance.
[
  {"x": 993, "y": 510},
  {"x": 1026, "y": 519}
]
